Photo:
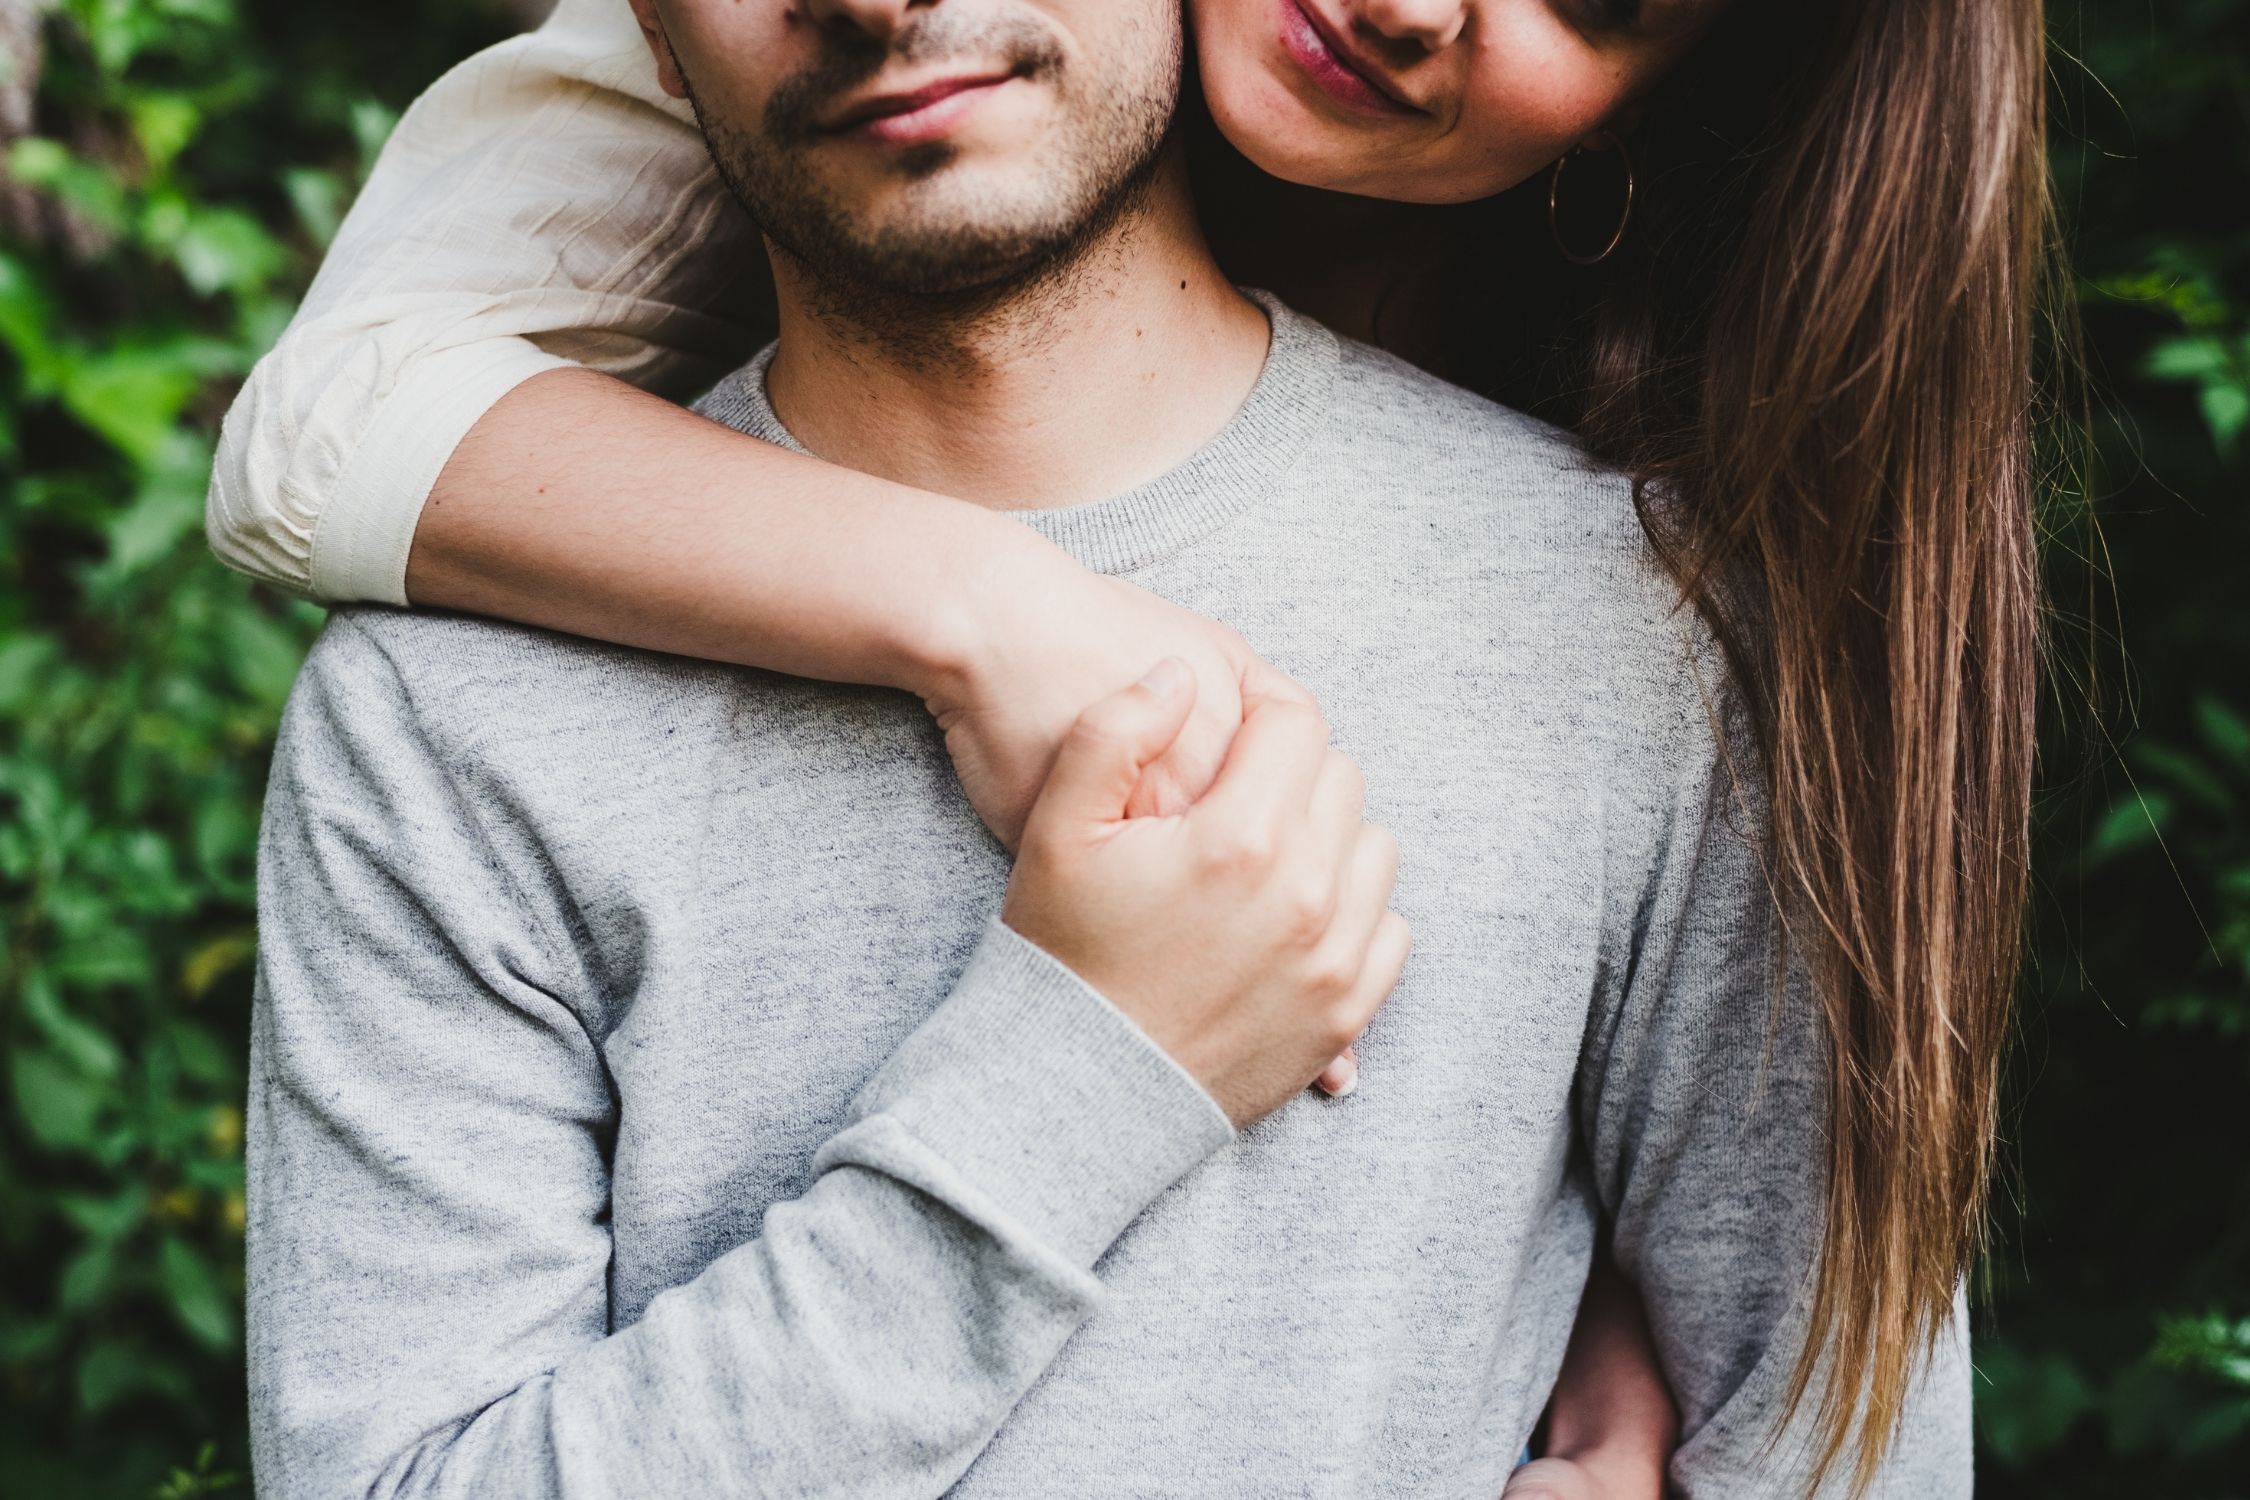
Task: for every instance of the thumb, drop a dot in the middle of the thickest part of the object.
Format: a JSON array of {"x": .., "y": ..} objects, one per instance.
[{"x": 1101, "y": 759}]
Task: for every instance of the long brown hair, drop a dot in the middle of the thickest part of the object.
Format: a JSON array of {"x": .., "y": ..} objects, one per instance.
[
  {"x": 1818, "y": 362},
  {"x": 1813, "y": 352}
]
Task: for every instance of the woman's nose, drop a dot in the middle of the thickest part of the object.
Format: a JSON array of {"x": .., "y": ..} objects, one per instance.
[{"x": 1432, "y": 24}]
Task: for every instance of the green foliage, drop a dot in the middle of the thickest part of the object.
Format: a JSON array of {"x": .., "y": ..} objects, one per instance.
[
  {"x": 193, "y": 156},
  {"x": 2111, "y": 1349},
  {"x": 189, "y": 159}
]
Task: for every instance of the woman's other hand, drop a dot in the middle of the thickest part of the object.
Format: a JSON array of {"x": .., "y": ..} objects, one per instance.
[
  {"x": 1555, "y": 1479},
  {"x": 1611, "y": 1426}
]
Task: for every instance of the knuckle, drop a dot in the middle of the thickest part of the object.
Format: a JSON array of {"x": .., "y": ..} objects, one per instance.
[
  {"x": 1401, "y": 932},
  {"x": 1330, "y": 978},
  {"x": 1302, "y": 718},
  {"x": 1340, "y": 1027},
  {"x": 1307, "y": 907},
  {"x": 1349, "y": 777},
  {"x": 1241, "y": 849}
]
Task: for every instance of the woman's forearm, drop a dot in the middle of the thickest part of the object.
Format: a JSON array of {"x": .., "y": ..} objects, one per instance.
[
  {"x": 1611, "y": 1412},
  {"x": 581, "y": 504}
]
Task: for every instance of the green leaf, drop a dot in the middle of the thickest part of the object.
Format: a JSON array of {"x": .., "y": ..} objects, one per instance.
[
  {"x": 2128, "y": 825},
  {"x": 2226, "y": 409},
  {"x": 112, "y": 1370},
  {"x": 318, "y": 197},
  {"x": 202, "y": 1059},
  {"x": 58, "y": 1102},
  {"x": 371, "y": 125},
  {"x": 2032, "y": 1402},
  {"x": 2186, "y": 773},
  {"x": 2186, "y": 357},
  {"x": 24, "y": 663},
  {"x": 164, "y": 124},
  {"x": 153, "y": 525},
  {"x": 25, "y": 310},
  {"x": 130, "y": 395},
  {"x": 225, "y": 250},
  {"x": 2224, "y": 729},
  {"x": 198, "y": 1298},
  {"x": 86, "y": 1045},
  {"x": 106, "y": 1218},
  {"x": 262, "y": 656},
  {"x": 88, "y": 1277},
  {"x": 92, "y": 190}
]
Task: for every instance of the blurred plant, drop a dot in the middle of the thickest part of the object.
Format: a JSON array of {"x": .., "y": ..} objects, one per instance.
[
  {"x": 2112, "y": 1349},
  {"x": 162, "y": 201}
]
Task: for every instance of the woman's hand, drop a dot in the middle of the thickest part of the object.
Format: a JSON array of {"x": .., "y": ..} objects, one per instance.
[
  {"x": 1611, "y": 1426},
  {"x": 1250, "y": 936},
  {"x": 1037, "y": 638},
  {"x": 1554, "y": 1479}
]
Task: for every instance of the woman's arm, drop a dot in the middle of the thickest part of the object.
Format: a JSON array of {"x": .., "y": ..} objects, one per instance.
[
  {"x": 1610, "y": 1423},
  {"x": 542, "y": 205},
  {"x": 583, "y": 505},
  {"x": 543, "y": 235}
]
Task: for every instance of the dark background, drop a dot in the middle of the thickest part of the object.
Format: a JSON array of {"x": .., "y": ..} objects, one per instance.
[{"x": 169, "y": 170}]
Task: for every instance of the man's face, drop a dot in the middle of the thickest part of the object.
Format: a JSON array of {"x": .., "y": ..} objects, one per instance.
[{"x": 925, "y": 146}]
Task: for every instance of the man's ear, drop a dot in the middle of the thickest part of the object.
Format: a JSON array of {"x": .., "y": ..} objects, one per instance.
[{"x": 668, "y": 76}]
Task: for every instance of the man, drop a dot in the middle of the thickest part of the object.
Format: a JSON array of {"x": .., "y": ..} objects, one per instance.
[{"x": 613, "y": 1130}]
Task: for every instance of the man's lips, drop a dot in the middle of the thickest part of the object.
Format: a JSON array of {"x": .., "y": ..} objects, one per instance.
[
  {"x": 919, "y": 114},
  {"x": 1332, "y": 64}
]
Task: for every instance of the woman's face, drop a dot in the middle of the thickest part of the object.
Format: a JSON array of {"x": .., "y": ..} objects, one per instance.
[{"x": 1430, "y": 101}]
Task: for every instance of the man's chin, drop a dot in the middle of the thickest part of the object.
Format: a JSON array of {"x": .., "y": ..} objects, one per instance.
[{"x": 936, "y": 262}]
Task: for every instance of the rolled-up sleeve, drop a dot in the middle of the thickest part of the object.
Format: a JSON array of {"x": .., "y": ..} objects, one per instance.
[{"x": 544, "y": 204}]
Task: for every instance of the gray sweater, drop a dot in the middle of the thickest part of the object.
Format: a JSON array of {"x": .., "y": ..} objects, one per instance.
[{"x": 645, "y": 1102}]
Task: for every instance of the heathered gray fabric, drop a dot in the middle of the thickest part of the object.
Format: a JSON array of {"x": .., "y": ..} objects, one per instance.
[{"x": 645, "y": 1101}]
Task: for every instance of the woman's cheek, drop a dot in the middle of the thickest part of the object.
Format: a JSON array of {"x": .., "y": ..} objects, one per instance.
[{"x": 1522, "y": 121}]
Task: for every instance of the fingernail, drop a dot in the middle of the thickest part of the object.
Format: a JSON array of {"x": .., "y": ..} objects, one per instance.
[
  {"x": 1163, "y": 678},
  {"x": 1351, "y": 1081}
]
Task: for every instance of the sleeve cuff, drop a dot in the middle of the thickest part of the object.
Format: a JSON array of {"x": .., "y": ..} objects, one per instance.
[
  {"x": 1048, "y": 1098},
  {"x": 361, "y": 540}
]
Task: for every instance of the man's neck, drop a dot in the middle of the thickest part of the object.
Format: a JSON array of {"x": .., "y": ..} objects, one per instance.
[{"x": 1078, "y": 385}]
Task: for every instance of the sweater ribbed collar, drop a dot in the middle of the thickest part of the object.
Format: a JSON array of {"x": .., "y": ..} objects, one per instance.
[{"x": 1241, "y": 466}]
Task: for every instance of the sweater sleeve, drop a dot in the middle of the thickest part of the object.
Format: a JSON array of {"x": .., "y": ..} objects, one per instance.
[
  {"x": 430, "y": 1128},
  {"x": 1703, "y": 1100},
  {"x": 543, "y": 204}
]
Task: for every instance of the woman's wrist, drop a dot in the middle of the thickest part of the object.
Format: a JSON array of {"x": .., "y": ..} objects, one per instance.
[{"x": 948, "y": 634}]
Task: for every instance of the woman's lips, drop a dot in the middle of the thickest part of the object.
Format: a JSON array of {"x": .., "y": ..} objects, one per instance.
[
  {"x": 1325, "y": 65},
  {"x": 922, "y": 115}
]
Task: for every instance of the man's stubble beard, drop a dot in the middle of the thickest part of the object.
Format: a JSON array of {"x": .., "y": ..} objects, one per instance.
[{"x": 922, "y": 289}]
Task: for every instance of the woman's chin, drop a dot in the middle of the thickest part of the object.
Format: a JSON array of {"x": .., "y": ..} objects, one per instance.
[
  {"x": 1281, "y": 136},
  {"x": 1284, "y": 136}
]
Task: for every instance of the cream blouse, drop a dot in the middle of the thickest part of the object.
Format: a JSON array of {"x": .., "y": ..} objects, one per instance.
[{"x": 544, "y": 204}]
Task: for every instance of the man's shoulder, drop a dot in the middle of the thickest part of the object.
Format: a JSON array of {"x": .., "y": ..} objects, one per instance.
[
  {"x": 442, "y": 659},
  {"x": 1481, "y": 462},
  {"x": 1553, "y": 533},
  {"x": 1418, "y": 399},
  {"x": 467, "y": 690}
]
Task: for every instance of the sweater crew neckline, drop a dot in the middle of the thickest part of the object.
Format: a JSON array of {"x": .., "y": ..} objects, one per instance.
[{"x": 1240, "y": 467}]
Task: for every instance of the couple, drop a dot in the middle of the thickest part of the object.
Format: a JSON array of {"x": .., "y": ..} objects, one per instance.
[{"x": 664, "y": 1085}]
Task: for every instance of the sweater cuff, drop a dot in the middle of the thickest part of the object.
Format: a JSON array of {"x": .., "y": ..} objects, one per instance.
[
  {"x": 366, "y": 530},
  {"x": 1047, "y": 1098}
]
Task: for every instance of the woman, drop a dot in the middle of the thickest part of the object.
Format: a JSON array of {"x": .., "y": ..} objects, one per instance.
[{"x": 1808, "y": 336}]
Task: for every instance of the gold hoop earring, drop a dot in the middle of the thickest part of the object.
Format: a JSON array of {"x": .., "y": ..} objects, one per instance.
[{"x": 1554, "y": 196}]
